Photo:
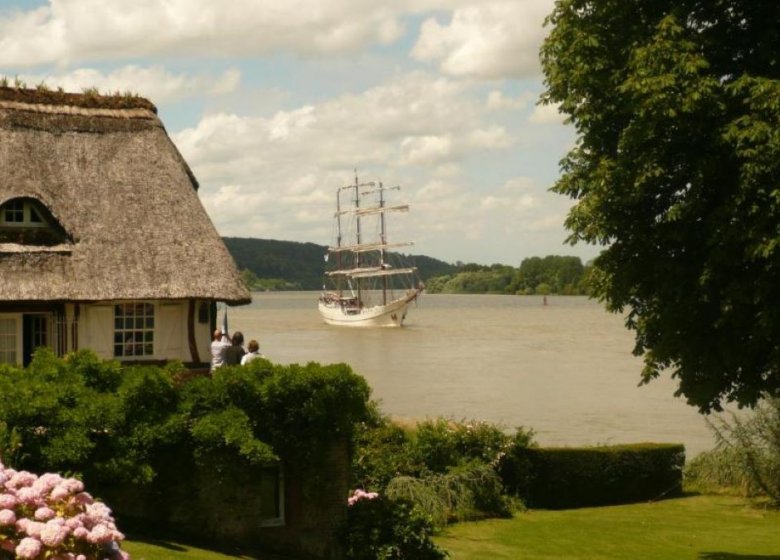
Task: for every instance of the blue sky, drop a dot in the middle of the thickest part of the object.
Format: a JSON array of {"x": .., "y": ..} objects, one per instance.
[{"x": 274, "y": 103}]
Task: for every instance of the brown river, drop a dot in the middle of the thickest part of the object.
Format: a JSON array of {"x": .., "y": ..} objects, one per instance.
[{"x": 564, "y": 369}]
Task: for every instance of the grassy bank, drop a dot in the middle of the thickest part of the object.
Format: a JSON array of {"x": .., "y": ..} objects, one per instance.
[{"x": 696, "y": 527}]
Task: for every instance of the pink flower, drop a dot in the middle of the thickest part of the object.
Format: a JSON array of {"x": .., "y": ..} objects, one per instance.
[
  {"x": 59, "y": 492},
  {"x": 72, "y": 485},
  {"x": 22, "y": 478},
  {"x": 7, "y": 517},
  {"x": 100, "y": 534},
  {"x": 7, "y": 501},
  {"x": 81, "y": 533},
  {"x": 98, "y": 511},
  {"x": 28, "y": 548},
  {"x": 84, "y": 498},
  {"x": 29, "y": 496},
  {"x": 53, "y": 534},
  {"x": 44, "y": 513},
  {"x": 361, "y": 494},
  {"x": 33, "y": 528},
  {"x": 74, "y": 522},
  {"x": 46, "y": 482}
]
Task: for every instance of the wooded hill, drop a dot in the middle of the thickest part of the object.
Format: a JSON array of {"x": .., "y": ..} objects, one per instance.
[{"x": 268, "y": 264}]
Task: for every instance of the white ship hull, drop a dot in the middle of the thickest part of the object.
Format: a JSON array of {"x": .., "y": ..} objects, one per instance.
[
  {"x": 392, "y": 314},
  {"x": 366, "y": 285}
]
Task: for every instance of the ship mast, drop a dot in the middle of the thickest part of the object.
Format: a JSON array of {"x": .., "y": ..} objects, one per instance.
[
  {"x": 358, "y": 239},
  {"x": 338, "y": 240},
  {"x": 382, "y": 240}
]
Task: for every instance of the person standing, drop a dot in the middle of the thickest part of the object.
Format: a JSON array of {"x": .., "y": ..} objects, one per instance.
[
  {"x": 219, "y": 346},
  {"x": 253, "y": 354},
  {"x": 236, "y": 351}
]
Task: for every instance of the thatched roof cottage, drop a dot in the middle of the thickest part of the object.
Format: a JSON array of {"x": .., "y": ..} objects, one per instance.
[{"x": 104, "y": 243}]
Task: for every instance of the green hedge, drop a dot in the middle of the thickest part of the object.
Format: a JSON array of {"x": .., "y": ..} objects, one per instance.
[{"x": 557, "y": 478}]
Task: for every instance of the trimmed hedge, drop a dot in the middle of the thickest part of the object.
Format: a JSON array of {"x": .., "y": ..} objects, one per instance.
[{"x": 558, "y": 478}]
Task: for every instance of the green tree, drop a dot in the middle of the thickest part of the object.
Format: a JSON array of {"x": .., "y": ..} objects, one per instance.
[
  {"x": 676, "y": 170},
  {"x": 249, "y": 279}
]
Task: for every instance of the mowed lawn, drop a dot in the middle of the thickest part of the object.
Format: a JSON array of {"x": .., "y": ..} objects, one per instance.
[{"x": 703, "y": 527}]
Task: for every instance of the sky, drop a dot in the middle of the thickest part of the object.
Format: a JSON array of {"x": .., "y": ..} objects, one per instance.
[{"x": 276, "y": 103}]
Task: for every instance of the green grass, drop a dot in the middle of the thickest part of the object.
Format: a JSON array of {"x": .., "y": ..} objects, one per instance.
[
  {"x": 155, "y": 549},
  {"x": 707, "y": 527},
  {"x": 697, "y": 527}
]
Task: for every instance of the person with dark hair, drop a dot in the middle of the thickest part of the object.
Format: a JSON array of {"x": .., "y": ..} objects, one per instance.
[{"x": 236, "y": 351}]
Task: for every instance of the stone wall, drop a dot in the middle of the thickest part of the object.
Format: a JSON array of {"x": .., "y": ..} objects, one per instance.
[{"x": 226, "y": 506}]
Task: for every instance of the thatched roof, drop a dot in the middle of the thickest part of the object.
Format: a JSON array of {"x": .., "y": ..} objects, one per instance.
[{"x": 107, "y": 172}]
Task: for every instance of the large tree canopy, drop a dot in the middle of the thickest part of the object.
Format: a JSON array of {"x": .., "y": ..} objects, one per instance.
[{"x": 677, "y": 173}]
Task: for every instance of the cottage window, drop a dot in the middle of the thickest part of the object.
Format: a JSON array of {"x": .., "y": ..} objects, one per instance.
[
  {"x": 21, "y": 212},
  {"x": 8, "y": 340},
  {"x": 133, "y": 330},
  {"x": 13, "y": 212},
  {"x": 27, "y": 221}
]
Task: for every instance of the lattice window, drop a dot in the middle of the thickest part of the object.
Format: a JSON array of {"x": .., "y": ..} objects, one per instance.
[
  {"x": 8, "y": 340},
  {"x": 13, "y": 212},
  {"x": 133, "y": 329}
]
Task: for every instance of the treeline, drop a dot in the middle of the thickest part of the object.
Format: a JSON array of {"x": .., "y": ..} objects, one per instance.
[
  {"x": 268, "y": 264},
  {"x": 552, "y": 274}
]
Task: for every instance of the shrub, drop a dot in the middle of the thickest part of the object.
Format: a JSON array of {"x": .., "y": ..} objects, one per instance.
[
  {"x": 753, "y": 443},
  {"x": 445, "y": 468},
  {"x": 384, "y": 449},
  {"x": 472, "y": 492},
  {"x": 381, "y": 452},
  {"x": 82, "y": 415},
  {"x": 380, "y": 528},
  {"x": 441, "y": 444},
  {"x": 577, "y": 477},
  {"x": 52, "y": 517},
  {"x": 720, "y": 470}
]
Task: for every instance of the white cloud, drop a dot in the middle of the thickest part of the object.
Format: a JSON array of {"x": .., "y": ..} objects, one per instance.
[
  {"x": 406, "y": 122},
  {"x": 488, "y": 219},
  {"x": 492, "y": 40},
  {"x": 493, "y": 136},
  {"x": 158, "y": 84},
  {"x": 497, "y": 101},
  {"x": 293, "y": 160},
  {"x": 546, "y": 114},
  {"x": 426, "y": 149},
  {"x": 69, "y": 31}
]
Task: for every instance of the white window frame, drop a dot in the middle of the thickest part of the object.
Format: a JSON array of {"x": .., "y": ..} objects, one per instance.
[
  {"x": 27, "y": 222},
  {"x": 126, "y": 329}
]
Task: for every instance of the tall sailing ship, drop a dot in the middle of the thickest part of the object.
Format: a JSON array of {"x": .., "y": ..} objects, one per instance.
[{"x": 366, "y": 285}]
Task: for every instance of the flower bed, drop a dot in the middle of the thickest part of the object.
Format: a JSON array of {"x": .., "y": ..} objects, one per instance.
[{"x": 54, "y": 518}]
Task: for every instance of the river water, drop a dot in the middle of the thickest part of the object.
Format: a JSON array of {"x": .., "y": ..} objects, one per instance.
[{"x": 564, "y": 369}]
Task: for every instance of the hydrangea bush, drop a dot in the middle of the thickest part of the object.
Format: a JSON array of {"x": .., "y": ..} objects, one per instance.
[
  {"x": 53, "y": 518},
  {"x": 379, "y": 528}
]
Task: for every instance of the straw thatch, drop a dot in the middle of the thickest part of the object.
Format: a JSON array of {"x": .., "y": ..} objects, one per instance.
[{"x": 107, "y": 172}]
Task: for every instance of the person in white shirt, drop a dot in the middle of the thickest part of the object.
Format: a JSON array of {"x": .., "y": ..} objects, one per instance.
[
  {"x": 253, "y": 354},
  {"x": 219, "y": 346}
]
